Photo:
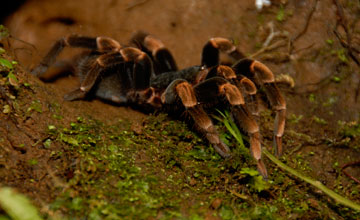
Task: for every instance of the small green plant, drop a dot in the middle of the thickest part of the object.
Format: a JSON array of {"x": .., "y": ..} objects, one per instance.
[
  {"x": 342, "y": 55},
  {"x": 312, "y": 98},
  {"x": 336, "y": 79},
  {"x": 295, "y": 118},
  {"x": 6, "y": 64},
  {"x": 234, "y": 131},
  {"x": 329, "y": 42},
  {"x": 4, "y": 32},
  {"x": 338, "y": 198},
  {"x": 8, "y": 67},
  {"x": 257, "y": 182},
  {"x": 280, "y": 16}
]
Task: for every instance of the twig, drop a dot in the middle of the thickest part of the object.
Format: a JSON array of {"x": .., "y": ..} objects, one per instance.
[
  {"x": 241, "y": 196},
  {"x": 22, "y": 41},
  {"x": 290, "y": 42},
  {"x": 297, "y": 148},
  {"x": 348, "y": 47},
  {"x": 338, "y": 198},
  {"x": 347, "y": 174},
  {"x": 320, "y": 84},
  {"x": 342, "y": 20},
  {"x": 303, "y": 31},
  {"x": 343, "y": 23},
  {"x": 135, "y": 4},
  {"x": 272, "y": 34},
  {"x": 268, "y": 48},
  {"x": 304, "y": 48},
  {"x": 13, "y": 50}
]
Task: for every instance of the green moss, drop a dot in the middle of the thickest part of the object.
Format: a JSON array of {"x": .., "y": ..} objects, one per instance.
[
  {"x": 351, "y": 129},
  {"x": 319, "y": 120},
  {"x": 166, "y": 171},
  {"x": 33, "y": 162}
]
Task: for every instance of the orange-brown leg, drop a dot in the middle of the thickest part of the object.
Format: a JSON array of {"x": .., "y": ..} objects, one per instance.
[
  {"x": 244, "y": 84},
  {"x": 215, "y": 46},
  {"x": 218, "y": 86},
  {"x": 163, "y": 59},
  {"x": 100, "y": 44},
  {"x": 181, "y": 89},
  {"x": 263, "y": 76}
]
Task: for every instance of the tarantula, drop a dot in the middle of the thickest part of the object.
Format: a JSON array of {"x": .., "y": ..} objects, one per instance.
[{"x": 145, "y": 73}]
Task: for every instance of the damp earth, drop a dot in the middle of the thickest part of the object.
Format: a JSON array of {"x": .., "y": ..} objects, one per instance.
[{"x": 91, "y": 159}]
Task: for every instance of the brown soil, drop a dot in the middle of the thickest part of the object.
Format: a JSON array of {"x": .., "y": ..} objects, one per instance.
[{"x": 184, "y": 26}]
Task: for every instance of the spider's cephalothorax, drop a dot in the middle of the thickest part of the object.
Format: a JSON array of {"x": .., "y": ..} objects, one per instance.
[{"x": 146, "y": 74}]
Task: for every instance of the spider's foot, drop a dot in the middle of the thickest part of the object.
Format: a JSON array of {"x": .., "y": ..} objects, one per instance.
[
  {"x": 39, "y": 70},
  {"x": 74, "y": 95},
  {"x": 218, "y": 145},
  {"x": 262, "y": 169},
  {"x": 279, "y": 131},
  {"x": 278, "y": 146}
]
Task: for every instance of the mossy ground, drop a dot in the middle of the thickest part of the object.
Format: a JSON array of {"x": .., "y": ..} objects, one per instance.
[{"x": 156, "y": 168}]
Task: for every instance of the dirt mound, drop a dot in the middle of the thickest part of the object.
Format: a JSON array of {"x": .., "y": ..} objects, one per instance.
[{"x": 62, "y": 153}]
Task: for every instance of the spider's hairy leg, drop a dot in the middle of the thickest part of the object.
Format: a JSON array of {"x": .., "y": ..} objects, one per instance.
[
  {"x": 163, "y": 59},
  {"x": 183, "y": 90},
  {"x": 211, "y": 51},
  {"x": 140, "y": 77},
  {"x": 90, "y": 77},
  {"x": 262, "y": 75},
  {"x": 244, "y": 118},
  {"x": 218, "y": 86},
  {"x": 101, "y": 44},
  {"x": 250, "y": 90},
  {"x": 240, "y": 81},
  {"x": 142, "y": 69},
  {"x": 244, "y": 84}
]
